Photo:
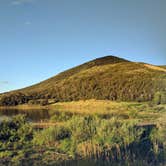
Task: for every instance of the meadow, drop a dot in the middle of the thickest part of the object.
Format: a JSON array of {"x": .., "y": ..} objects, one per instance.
[{"x": 90, "y": 131}]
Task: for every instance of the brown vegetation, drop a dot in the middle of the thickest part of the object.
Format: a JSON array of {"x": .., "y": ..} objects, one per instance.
[{"x": 108, "y": 78}]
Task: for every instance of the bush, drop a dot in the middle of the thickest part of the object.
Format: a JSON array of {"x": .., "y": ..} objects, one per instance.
[
  {"x": 13, "y": 99},
  {"x": 15, "y": 133},
  {"x": 61, "y": 116},
  {"x": 83, "y": 128},
  {"x": 51, "y": 135}
]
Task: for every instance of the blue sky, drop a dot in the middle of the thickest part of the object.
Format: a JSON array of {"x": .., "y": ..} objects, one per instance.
[{"x": 40, "y": 38}]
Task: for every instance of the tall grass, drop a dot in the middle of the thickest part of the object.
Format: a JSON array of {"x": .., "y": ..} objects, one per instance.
[
  {"x": 123, "y": 138},
  {"x": 90, "y": 137}
]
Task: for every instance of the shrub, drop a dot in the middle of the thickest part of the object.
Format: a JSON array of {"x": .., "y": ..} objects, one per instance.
[
  {"x": 83, "y": 128},
  {"x": 60, "y": 117},
  {"x": 51, "y": 135},
  {"x": 15, "y": 133}
]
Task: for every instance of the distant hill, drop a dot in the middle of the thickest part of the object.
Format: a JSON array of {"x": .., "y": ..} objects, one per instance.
[
  {"x": 163, "y": 66},
  {"x": 107, "y": 78}
]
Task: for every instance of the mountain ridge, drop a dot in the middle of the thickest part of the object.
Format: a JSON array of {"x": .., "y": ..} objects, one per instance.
[{"x": 108, "y": 77}]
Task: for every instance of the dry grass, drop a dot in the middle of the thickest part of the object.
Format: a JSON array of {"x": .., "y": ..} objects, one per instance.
[
  {"x": 125, "y": 110},
  {"x": 155, "y": 67},
  {"x": 92, "y": 106}
]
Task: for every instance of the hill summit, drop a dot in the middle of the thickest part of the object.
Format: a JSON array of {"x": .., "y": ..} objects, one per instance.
[{"x": 105, "y": 78}]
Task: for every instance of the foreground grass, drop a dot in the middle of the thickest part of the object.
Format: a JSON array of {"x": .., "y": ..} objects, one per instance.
[
  {"x": 91, "y": 131},
  {"x": 82, "y": 138}
]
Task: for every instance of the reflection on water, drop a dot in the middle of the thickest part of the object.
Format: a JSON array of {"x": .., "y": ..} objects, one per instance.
[{"x": 32, "y": 115}]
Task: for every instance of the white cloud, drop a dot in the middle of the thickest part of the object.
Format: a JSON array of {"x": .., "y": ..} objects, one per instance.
[
  {"x": 16, "y": 3},
  {"x": 109, "y": 49},
  {"x": 27, "y": 23},
  {"x": 20, "y": 2}
]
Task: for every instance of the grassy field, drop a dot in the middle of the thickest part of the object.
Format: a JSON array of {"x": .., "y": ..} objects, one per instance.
[
  {"x": 142, "y": 111},
  {"x": 119, "y": 133}
]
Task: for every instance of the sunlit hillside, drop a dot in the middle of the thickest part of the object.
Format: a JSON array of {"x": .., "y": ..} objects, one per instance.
[{"x": 107, "y": 78}]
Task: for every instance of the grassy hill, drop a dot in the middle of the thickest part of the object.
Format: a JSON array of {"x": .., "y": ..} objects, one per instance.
[
  {"x": 163, "y": 66},
  {"x": 109, "y": 77}
]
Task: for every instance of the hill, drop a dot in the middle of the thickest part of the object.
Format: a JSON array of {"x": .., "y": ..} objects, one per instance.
[
  {"x": 109, "y": 77},
  {"x": 163, "y": 66}
]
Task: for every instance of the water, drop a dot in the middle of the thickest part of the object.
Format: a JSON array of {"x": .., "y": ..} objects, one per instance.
[{"x": 33, "y": 115}]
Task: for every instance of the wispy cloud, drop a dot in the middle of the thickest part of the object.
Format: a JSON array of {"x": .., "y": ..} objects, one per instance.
[
  {"x": 109, "y": 49},
  {"x": 20, "y": 2},
  {"x": 27, "y": 23},
  {"x": 4, "y": 82}
]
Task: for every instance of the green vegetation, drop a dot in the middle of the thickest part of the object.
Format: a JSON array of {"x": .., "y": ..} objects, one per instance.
[
  {"x": 87, "y": 121},
  {"x": 160, "y": 98},
  {"x": 92, "y": 137},
  {"x": 107, "y": 78}
]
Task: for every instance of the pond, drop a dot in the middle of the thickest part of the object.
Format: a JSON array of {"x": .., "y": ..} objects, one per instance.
[{"x": 34, "y": 115}]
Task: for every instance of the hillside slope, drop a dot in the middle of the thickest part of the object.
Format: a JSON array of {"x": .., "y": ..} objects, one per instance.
[{"x": 109, "y": 77}]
